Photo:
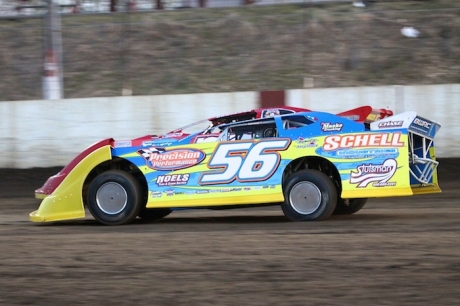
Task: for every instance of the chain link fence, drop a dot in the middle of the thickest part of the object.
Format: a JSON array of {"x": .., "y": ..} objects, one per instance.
[{"x": 236, "y": 49}]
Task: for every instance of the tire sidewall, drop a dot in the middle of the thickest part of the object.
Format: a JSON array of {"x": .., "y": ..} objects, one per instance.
[
  {"x": 153, "y": 214},
  {"x": 355, "y": 206},
  {"x": 132, "y": 189},
  {"x": 328, "y": 195}
]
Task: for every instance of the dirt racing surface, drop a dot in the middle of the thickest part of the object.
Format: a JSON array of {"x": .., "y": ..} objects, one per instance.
[{"x": 396, "y": 251}]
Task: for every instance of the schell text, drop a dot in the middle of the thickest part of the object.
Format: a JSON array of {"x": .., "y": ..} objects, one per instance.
[{"x": 362, "y": 140}]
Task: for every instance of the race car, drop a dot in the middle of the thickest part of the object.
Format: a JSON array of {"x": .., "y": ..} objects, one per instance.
[{"x": 313, "y": 164}]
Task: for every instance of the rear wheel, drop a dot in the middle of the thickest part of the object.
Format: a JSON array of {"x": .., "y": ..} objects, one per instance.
[
  {"x": 153, "y": 214},
  {"x": 309, "y": 195},
  {"x": 114, "y": 197},
  {"x": 349, "y": 206}
]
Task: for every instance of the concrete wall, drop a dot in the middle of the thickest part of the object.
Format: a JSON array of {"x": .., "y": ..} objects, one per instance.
[
  {"x": 440, "y": 103},
  {"x": 50, "y": 133}
]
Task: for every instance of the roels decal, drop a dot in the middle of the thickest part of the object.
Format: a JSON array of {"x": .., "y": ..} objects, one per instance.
[{"x": 173, "y": 179}]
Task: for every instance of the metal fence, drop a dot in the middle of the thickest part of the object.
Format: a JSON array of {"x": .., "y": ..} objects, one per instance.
[
  {"x": 9, "y": 8},
  {"x": 235, "y": 49}
]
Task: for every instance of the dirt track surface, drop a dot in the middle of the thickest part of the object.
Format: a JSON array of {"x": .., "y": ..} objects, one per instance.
[{"x": 398, "y": 251}]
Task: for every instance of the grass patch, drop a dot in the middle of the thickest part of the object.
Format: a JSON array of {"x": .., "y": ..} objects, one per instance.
[{"x": 238, "y": 49}]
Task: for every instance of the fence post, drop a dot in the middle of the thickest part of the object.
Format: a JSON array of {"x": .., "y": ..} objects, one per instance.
[{"x": 52, "y": 69}]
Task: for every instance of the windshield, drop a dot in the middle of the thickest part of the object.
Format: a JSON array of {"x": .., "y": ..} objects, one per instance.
[{"x": 192, "y": 128}]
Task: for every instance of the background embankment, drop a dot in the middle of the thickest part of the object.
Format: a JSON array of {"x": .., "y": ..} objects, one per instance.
[{"x": 248, "y": 48}]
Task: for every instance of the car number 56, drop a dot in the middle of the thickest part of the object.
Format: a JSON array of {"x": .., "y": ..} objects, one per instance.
[{"x": 244, "y": 161}]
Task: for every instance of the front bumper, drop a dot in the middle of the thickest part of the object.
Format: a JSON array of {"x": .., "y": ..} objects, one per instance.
[
  {"x": 54, "y": 208},
  {"x": 65, "y": 201}
]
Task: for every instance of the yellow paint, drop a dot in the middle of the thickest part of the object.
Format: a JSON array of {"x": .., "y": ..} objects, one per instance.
[
  {"x": 206, "y": 200},
  {"x": 66, "y": 201},
  {"x": 376, "y": 193},
  {"x": 40, "y": 196},
  {"x": 432, "y": 188}
]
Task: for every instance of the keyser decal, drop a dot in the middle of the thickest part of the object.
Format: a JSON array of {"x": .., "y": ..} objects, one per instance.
[
  {"x": 362, "y": 140},
  {"x": 161, "y": 159}
]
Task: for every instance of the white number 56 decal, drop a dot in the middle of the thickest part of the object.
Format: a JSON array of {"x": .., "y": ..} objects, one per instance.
[{"x": 244, "y": 161}]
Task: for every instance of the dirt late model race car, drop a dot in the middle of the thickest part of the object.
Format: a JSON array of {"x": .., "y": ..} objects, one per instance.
[{"x": 312, "y": 164}]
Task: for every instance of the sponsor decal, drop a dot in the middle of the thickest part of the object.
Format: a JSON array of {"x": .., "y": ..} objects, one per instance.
[
  {"x": 247, "y": 188},
  {"x": 362, "y": 140},
  {"x": 331, "y": 127},
  {"x": 201, "y": 191},
  {"x": 156, "y": 143},
  {"x": 122, "y": 144},
  {"x": 173, "y": 179},
  {"x": 147, "y": 143},
  {"x": 169, "y": 192},
  {"x": 422, "y": 123},
  {"x": 351, "y": 117},
  {"x": 306, "y": 143},
  {"x": 366, "y": 153},
  {"x": 161, "y": 159},
  {"x": 377, "y": 174},
  {"x": 423, "y": 126},
  {"x": 156, "y": 194},
  {"x": 390, "y": 124}
]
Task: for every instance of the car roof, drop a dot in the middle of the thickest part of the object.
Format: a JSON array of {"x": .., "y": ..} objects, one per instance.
[
  {"x": 258, "y": 121},
  {"x": 254, "y": 114}
]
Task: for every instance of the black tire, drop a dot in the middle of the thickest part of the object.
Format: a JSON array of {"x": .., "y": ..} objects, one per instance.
[
  {"x": 153, "y": 214},
  {"x": 115, "y": 198},
  {"x": 309, "y": 195},
  {"x": 349, "y": 206}
]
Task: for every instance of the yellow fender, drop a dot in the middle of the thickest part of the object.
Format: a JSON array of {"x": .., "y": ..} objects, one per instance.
[{"x": 66, "y": 201}]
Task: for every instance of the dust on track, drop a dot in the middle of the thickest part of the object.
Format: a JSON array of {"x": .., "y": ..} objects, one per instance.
[{"x": 398, "y": 251}]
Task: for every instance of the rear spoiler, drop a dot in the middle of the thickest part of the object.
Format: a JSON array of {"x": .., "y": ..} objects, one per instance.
[
  {"x": 422, "y": 160},
  {"x": 366, "y": 114}
]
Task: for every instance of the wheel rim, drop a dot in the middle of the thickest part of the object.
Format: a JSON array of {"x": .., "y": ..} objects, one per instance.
[
  {"x": 305, "y": 198},
  {"x": 111, "y": 198}
]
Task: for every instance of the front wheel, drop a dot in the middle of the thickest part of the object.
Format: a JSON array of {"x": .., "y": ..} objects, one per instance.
[
  {"x": 115, "y": 197},
  {"x": 309, "y": 195}
]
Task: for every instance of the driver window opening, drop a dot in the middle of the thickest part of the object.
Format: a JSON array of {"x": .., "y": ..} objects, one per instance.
[
  {"x": 294, "y": 122},
  {"x": 247, "y": 132}
]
